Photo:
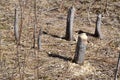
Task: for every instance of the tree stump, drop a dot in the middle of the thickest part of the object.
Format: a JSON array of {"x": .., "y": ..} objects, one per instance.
[
  {"x": 16, "y": 26},
  {"x": 69, "y": 27},
  {"x": 80, "y": 49},
  {"x": 98, "y": 32}
]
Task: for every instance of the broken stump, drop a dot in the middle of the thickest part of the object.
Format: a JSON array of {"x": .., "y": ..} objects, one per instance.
[{"x": 80, "y": 49}]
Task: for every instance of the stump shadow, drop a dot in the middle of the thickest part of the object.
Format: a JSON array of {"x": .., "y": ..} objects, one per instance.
[
  {"x": 56, "y": 36},
  {"x": 60, "y": 57},
  {"x": 88, "y": 34}
]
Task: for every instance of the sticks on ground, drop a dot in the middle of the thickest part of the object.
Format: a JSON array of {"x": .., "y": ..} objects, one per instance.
[
  {"x": 69, "y": 27},
  {"x": 80, "y": 49}
]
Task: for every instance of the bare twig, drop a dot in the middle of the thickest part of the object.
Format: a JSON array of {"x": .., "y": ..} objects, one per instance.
[{"x": 80, "y": 49}]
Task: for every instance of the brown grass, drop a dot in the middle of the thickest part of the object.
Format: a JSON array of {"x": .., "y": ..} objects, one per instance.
[{"x": 54, "y": 60}]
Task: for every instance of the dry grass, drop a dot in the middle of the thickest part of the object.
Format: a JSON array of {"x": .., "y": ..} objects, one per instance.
[{"x": 54, "y": 60}]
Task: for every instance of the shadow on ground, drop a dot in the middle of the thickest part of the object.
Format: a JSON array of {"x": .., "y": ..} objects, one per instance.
[
  {"x": 59, "y": 56},
  {"x": 88, "y": 34}
]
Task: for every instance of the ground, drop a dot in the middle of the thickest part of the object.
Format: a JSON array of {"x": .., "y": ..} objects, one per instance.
[{"x": 54, "y": 60}]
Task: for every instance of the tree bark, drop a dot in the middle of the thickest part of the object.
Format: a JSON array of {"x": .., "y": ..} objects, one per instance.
[
  {"x": 16, "y": 26},
  {"x": 69, "y": 27},
  {"x": 80, "y": 49},
  {"x": 98, "y": 32}
]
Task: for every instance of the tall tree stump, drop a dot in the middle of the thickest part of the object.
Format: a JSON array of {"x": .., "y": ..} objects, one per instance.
[
  {"x": 80, "y": 49},
  {"x": 16, "y": 26},
  {"x": 98, "y": 32},
  {"x": 69, "y": 26}
]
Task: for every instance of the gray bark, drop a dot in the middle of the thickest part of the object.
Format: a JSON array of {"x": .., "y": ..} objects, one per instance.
[
  {"x": 69, "y": 27},
  {"x": 16, "y": 26},
  {"x": 80, "y": 50},
  {"x": 98, "y": 32}
]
